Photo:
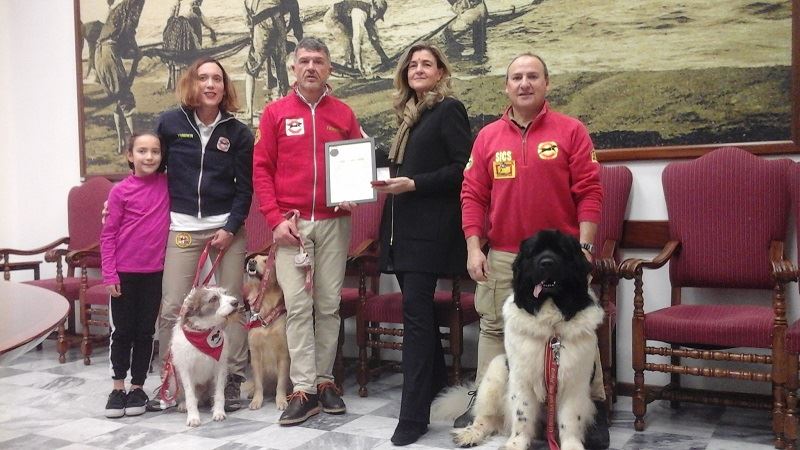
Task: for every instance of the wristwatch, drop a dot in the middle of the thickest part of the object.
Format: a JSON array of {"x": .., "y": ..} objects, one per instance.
[{"x": 587, "y": 246}]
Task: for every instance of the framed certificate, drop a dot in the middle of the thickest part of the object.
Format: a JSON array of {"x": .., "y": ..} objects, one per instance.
[{"x": 349, "y": 169}]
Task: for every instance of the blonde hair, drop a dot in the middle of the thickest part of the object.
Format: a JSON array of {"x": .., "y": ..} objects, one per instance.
[
  {"x": 188, "y": 91},
  {"x": 403, "y": 91}
]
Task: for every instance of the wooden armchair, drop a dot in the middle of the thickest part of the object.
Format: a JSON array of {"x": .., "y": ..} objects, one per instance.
[
  {"x": 84, "y": 205},
  {"x": 728, "y": 214},
  {"x": 382, "y": 315},
  {"x": 793, "y": 333},
  {"x": 361, "y": 263},
  {"x": 616, "y": 183}
]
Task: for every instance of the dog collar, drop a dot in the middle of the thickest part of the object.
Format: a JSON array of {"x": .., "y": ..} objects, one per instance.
[
  {"x": 257, "y": 321},
  {"x": 209, "y": 342}
]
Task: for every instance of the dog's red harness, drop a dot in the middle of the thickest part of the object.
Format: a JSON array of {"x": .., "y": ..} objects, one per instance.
[
  {"x": 255, "y": 305},
  {"x": 551, "y": 361},
  {"x": 257, "y": 321}
]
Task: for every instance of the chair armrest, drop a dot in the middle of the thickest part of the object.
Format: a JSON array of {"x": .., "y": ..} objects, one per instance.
[
  {"x": 631, "y": 266},
  {"x": 783, "y": 271},
  {"x": 364, "y": 248},
  {"x": 78, "y": 257},
  {"x": 5, "y": 252}
]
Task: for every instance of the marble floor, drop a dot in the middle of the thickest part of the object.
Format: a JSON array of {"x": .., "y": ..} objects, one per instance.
[{"x": 47, "y": 405}]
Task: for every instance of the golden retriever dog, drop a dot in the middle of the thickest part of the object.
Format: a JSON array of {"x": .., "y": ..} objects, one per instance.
[
  {"x": 551, "y": 298},
  {"x": 269, "y": 352},
  {"x": 199, "y": 353}
]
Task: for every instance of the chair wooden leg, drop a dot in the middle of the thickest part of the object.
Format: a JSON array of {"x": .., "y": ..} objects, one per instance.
[
  {"x": 338, "y": 363},
  {"x": 362, "y": 371},
  {"x": 674, "y": 379},
  {"x": 790, "y": 420},
  {"x": 86, "y": 344},
  {"x": 638, "y": 356},
  {"x": 62, "y": 343}
]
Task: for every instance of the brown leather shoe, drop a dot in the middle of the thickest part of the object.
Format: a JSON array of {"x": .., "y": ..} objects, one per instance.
[
  {"x": 302, "y": 405},
  {"x": 331, "y": 398}
]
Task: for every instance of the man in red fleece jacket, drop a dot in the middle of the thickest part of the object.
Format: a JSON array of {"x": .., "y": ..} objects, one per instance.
[
  {"x": 289, "y": 175},
  {"x": 532, "y": 169}
]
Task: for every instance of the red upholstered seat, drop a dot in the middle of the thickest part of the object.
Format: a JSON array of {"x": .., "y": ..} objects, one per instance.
[
  {"x": 728, "y": 212},
  {"x": 97, "y": 295},
  {"x": 723, "y": 326},
  {"x": 350, "y": 298},
  {"x": 389, "y": 307}
]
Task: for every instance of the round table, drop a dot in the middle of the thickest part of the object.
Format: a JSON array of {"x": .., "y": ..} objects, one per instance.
[{"x": 27, "y": 316}]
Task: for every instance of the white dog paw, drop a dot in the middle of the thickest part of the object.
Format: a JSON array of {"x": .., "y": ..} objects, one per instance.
[
  {"x": 466, "y": 437},
  {"x": 256, "y": 402},
  {"x": 516, "y": 443},
  {"x": 218, "y": 416},
  {"x": 193, "y": 421},
  {"x": 571, "y": 444},
  {"x": 281, "y": 403}
]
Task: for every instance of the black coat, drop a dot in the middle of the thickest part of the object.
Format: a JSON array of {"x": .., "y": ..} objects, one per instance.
[{"x": 421, "y": 230}]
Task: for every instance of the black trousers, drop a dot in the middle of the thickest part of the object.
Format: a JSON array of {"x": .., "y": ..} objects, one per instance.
[
  {"x": 424, "y": 372},
  {"x": 133, "y": 324}
]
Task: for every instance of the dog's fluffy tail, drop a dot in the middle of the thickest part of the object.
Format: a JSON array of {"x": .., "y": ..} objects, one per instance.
[{"x": 451, "y": 403}]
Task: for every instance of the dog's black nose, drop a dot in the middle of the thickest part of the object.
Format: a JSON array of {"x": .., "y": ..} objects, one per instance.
[
  {"x": 546, "y": 263},
  {"x": 251, "y": 265}
]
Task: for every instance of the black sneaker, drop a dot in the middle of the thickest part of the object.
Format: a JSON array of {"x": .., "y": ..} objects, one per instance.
[
  {"x": 408, "y": 432},
  {"x": 596, "y": 437},
  {"x": 465, "y": 420},
  {"x": 115, "y": 406},
  {"x": 330, "y": 397},
  {"x": 136, "y": 402},
  {"x": 302, "y": 405},
  {"x": 157, "y": 405},
  {"x": 233, "y": 392}
]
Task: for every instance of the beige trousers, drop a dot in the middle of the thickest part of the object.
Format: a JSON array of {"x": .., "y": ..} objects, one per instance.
[
  {"x": 312, "y": 318},
  {"x": 179, "y": 269},
  {"x": 490, "y": 296}
]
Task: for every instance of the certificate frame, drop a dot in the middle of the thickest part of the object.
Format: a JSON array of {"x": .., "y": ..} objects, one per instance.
[{"x": 349, "y": 168}]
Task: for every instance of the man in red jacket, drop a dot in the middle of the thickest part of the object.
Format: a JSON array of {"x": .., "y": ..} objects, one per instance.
[
  {"x": 532, "y": 169},
  {"x": 289, "y": 175}
]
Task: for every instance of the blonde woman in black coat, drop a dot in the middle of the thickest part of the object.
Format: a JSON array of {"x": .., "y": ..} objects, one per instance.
[{"x": 421, "y": 237}]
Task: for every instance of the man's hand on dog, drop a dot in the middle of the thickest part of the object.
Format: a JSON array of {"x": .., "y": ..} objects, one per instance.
[
  {"x": 286, "y": 234},
  {"x": 114, "y": 290}
]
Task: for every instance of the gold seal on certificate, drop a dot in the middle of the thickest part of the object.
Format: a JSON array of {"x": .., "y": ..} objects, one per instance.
[{"x": 349, "y": 169}]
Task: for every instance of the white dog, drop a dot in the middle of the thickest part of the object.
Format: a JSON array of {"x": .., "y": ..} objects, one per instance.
[
  {"x": 199, "y": 353},
  {"x": 551, "y": 298}
]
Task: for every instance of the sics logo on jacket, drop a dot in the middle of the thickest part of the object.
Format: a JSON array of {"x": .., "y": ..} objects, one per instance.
[{"x": 294, "y": 127}]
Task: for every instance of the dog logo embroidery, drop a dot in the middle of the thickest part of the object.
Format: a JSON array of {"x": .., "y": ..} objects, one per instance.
[
  {"x": 223, "y": 144},
  {"x": 214, "y": 338},
  {"x": 548, "y": 150},
  {"x": 504, "y": 166},
  {"x": 294, "y": 127},
  {"x": 183, "y": 240}
]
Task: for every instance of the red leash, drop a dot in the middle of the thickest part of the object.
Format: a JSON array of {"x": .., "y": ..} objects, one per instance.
[{"x": 551, "y": 361}]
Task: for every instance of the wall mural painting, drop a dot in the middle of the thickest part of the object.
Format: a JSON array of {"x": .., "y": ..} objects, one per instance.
[{"x": 641, "y": 75}]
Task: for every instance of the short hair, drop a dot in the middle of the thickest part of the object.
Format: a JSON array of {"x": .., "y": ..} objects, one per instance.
[
  {"x": 531, "y": 55},
  {"x": 132, "y": 141},
  {"x": 188, "y": 94},
  {"x": 403, "y": 91},
  {"x": 312, "y": 44}
]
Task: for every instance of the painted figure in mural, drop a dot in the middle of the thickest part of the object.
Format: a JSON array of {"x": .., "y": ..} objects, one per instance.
[
  {"x": 350, "y": 20},
  {"x": 117, "y": 41},
  {"x": 268, "y": 48},
  {"x": 471, "y": 15},
  {"x": 184, "y": 33}
]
